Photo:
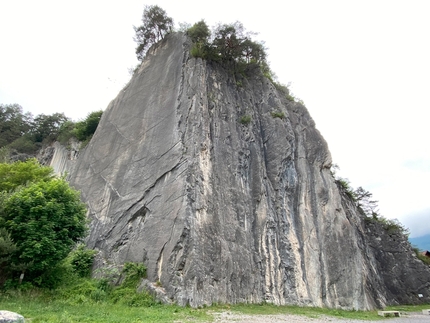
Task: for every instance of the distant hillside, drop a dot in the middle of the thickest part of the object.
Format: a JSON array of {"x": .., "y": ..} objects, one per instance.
[{"x": 421, "y": 242}]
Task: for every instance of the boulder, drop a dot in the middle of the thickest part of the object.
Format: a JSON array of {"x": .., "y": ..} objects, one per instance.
[{"x": 10, "y": 317}]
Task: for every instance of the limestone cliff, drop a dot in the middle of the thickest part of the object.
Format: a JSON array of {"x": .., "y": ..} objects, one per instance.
[{"x": 221, "y": 210}]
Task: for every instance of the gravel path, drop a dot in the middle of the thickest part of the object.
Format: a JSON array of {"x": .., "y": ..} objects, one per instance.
[{"x": 227, "y": 317}]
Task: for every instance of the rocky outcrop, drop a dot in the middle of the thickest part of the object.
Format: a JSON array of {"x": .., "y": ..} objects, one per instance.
[
  {"x": 10, "y": 317},
  {"x": 403, "y": 276},
  {"x": 218, "y": 208}
]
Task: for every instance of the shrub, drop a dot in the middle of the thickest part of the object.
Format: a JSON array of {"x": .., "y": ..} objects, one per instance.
[
  {"x": 198, "y": 51},
  {"x": 85, "y": 129},
  {"x": 278, "y": 114},
  {"x": 129, "y": 297},
  {"x": 245, "y": 120},
  {"x": 81, "y": 260},
  {"x": 290, "y": 97},
  {"x": 344, "y": 184},
  {"x": 45, "y": 220},
  {"x": 133, "y": 273}
]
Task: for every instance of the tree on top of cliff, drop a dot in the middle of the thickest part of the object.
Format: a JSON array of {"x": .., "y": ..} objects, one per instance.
[
  {"x": 156, "y": 24},
  {"x": 231, "y": 45}
]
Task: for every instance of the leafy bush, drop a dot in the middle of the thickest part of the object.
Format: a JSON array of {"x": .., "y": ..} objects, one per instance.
[
  {"x": 129, "y": 297},
  {"x": 81, "y": 260},
  {"x": 278, "y": 114},
  {"x": 231, "y": 46},
  {"x": 44, "y": 218},
  {"x": 133, "y": 272},
  {"x": 85, "y": 129},
  {"x": 198, "y": 51},
  {"x": 14, "y": 175},
  {"x": 245, "y": 120}
]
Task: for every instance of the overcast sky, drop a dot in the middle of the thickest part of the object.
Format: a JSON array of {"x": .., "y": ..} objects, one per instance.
[{"x": 362, "y": 69}]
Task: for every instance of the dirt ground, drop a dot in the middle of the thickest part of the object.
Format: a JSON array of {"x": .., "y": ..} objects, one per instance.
[{"x": 227, "y": 317}]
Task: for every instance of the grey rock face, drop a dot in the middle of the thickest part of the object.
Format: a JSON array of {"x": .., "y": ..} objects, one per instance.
[
  {"x": 10, "y": 317},
  {"x": 219, "y": 210},
  {"x": 402, "y": 274}
]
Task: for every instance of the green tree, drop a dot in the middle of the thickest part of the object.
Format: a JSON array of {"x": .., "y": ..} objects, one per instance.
[
  {"x": 86, "y": 128},
  {"x": 47, "y": 127},
  {"x": 13, "y": 123},
  {"x": 20, "y": 173},
  {"x": 7, "y": 248},
  {"x": 199, "y": 34},
  {"x": 44, "y": 220},
  {"x": 234, "y": 48},
  {"x": 156, "y": 24},
  {"x": 363, "y": 200}
]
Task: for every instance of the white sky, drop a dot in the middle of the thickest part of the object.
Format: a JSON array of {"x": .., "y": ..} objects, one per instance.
[{"x": 361, "y": 67}]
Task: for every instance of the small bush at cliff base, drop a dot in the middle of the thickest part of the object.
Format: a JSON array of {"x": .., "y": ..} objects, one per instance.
[
  {"x": 81, "y": 260},
  {"x": 133, "y": 272}
]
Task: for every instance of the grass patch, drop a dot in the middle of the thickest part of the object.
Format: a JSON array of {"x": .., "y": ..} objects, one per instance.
[{"x": 43, "y": 308}]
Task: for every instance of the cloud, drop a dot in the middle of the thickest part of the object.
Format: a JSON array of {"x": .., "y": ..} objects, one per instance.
[{"x": 418, "y": 223}]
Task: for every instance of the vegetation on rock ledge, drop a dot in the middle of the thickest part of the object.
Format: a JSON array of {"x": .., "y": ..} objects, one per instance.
[{"x": 21, "y": 133}]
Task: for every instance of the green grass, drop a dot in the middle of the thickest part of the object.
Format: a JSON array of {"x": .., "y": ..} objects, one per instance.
[
  {"x": 39, "y": 306},
  {"x": 43, "y": 309}
]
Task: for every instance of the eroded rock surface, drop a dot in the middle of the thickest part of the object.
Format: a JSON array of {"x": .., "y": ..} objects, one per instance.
[{"x": 220, "y": 210}]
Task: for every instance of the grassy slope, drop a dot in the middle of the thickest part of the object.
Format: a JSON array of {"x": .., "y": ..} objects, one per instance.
[{"x": 41, "y": 310}]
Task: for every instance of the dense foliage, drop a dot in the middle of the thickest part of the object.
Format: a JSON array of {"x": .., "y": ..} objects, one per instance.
[
  {"x": 14, "y": 123},
  {"x": 86, "y": 128},
  {"x": 44, "y": 220},
  {"x": 155, "y": 25},
  {"x": 230, "y": 45},
  {"x": 41, "y": 219},
  {"x": 81, "y": 259},
  {"x": 21, "y": 133},
  {"x": 14, "y": 175}
]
